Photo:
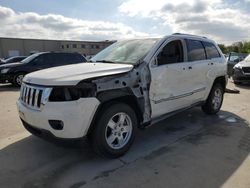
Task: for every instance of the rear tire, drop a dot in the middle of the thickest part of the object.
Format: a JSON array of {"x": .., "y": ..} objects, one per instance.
[
  {"x": 17, "y": 81},
  {"x": 115, "y": 130},
  {"x": 214, "y": 100}
]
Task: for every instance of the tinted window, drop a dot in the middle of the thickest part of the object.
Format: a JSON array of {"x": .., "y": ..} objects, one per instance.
[
  {"x": 39, "y": 60},
  {"x": 80, "y": 58},
  {"x": 196, "y": 50},
  {"x": 19, "y": 59},
  {"x": 61, "y": 59},
  {"x": 65, "y": 59},
  {"x": 211, "y": 50},
  {"x": 171, "y": 53},
  {"x": 52, "y": 59}
]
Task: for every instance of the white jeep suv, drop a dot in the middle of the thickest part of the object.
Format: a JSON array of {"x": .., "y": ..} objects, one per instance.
[{"x": 129, "y": 85}]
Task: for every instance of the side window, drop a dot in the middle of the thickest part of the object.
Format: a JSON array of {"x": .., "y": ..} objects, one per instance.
[
  {"x": 68, "y": 58},
  {"x": 211, "y": 50},
  {"x": 80, "y": 58},
  {"x": 38, "y": 60},
  {"x": 196, "y": 50},
  {"x": 171, "y": 53},
  {"x": 63, "y": 59},
  {"x": 71, "y": 59},
  {"x": 76, "y": 58},
  {"x": 52, "y": 59}
]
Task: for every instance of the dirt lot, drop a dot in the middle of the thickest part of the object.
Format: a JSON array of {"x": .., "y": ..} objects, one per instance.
[{"x": 190, "y": 149}]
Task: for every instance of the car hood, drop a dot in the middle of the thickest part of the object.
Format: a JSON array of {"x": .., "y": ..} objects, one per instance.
[
  {"x": 9, "y": 65},
  {"x": 73, "y": 74},
  {"x": 243, "y": 64}
]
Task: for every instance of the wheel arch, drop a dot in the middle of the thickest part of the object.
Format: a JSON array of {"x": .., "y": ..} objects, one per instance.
[
  {"x": 221, "y": 80},
  {"x": 117, "y": 96}
]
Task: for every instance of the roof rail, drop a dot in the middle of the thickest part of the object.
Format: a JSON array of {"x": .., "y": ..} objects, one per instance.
[{"x": 188, "y": 34}]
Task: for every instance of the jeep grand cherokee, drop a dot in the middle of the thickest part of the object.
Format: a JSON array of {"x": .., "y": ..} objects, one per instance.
[{"x": 129, "y": 85}]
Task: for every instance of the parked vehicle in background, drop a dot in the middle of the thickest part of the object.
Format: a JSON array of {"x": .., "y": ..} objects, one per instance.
[
  {"x": 241, "y": 71},
  {"x": 129, "y": 85},
  {"x": 232, "y": 60},
  {"x": 13, "y": 59},
  {"x": 14, "y": 72},
  {"x": 1, "y": 60}
]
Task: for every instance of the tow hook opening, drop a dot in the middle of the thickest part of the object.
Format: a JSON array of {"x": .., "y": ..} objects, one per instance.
[{"x": 56, "y": 124}]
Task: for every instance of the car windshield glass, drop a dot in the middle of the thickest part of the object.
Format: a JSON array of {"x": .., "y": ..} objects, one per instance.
[
  {"x": 29, "y": 58},
  {"x": 7, "y": 60},
  {"x": 128, "y": 52},
  {"x": 247, "y": 59}
]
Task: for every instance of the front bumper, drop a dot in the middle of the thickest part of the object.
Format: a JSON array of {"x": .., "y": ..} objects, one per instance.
[
  {"x": 240, "y": 76},
  {"x": 75, "y": 115}
]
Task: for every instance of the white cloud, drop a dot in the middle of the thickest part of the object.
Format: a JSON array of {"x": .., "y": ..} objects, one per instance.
[
  {"x": 33, "y": 25},
  {"x": 213, "y": 18}
]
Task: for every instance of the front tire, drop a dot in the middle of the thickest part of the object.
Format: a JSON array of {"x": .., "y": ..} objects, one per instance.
[
  {"x": 115, "y": 130},
  {"x": 214, "y": 100}
]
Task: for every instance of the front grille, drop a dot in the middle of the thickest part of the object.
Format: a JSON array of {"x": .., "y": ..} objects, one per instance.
[
  {"x": 246, "y": 69},
  {"x": 33, "y": 96}
]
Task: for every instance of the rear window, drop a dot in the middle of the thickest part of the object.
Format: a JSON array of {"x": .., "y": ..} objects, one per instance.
[
  {"x": 196, "y": 50},
  {"x": 211, "y": 50}
]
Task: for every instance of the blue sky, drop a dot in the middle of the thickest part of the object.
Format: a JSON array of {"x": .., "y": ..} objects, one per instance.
[
  {"x": 223, "y": 20},
  {"x": 85, "y": 9}
]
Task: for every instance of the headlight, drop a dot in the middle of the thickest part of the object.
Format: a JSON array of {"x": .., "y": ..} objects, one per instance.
[
  {"x": 71, "y": 93},
  {"x": 3, "y": 71}
]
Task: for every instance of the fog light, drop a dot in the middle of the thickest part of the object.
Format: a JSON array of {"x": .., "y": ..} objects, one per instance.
[{"x": 56, "y": 124}]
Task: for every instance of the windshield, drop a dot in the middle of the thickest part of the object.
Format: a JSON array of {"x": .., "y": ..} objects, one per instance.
[
  {"x": 8, "y": 60},
  {"x": 129, "y": 51},
  {"x": 247, "y": 59},
  {"x": 30, "y": 58}
]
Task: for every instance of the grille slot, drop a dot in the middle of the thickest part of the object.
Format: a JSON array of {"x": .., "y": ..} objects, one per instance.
[
  {"x": 246, "y": 69},
  {"x": 32, "y": 96}
]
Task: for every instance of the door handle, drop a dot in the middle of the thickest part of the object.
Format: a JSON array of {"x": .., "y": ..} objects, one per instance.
[{"x": 189, "y": 67}]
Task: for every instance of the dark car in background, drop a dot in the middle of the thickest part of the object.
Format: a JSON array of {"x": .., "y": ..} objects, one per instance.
[
  {"x": 14, "y": 72},
  {"x": 241, "y": 71},
  {"x": 232, "y": 60},
  {"x": 13, "y": 59}
]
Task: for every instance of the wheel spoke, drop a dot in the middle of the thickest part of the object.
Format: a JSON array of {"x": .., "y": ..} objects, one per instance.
[
  {"x": 126, "y": 129},
  {"x": 120, "y": 140},
  {"x": 111, "y": 124},
  {"x": 122, "y": 118},
  {"x": 111, "y": 138}
]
